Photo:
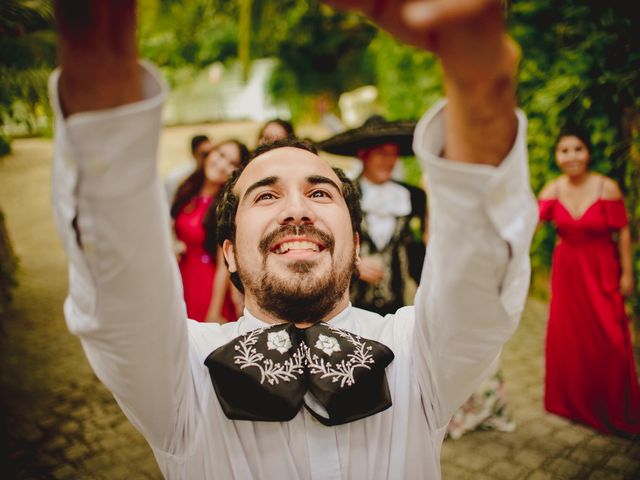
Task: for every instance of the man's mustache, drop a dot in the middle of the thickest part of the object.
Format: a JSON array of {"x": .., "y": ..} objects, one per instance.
[{"x": 304, "y": 230}]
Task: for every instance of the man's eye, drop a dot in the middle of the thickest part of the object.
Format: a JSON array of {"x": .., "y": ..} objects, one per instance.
[
  {"x": 319, "y": 194},
  {"x": 265, "y": 196}
]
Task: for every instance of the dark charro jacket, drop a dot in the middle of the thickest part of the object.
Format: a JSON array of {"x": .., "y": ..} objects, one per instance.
[{"x": 402, "y": 256}]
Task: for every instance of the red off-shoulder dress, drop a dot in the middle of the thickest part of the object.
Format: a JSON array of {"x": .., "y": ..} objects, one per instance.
[
  {"x": 197, "y": 266},
  {"x": 590, "y": 372}
]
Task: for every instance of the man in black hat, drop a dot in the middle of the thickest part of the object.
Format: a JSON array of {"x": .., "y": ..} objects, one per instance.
[
  {"x": 303, "y": 386},
  {"x": 393, "y": 226}
]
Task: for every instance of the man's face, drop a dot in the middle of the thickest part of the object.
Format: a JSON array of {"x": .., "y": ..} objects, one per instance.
[
  {"x": 294, "y": 248},
  {"x": 378, "y": 162},
  {"x": 202, "y": 151}
]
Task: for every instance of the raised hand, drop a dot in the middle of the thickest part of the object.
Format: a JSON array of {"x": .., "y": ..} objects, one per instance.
[{"x": 98, "y": 54}]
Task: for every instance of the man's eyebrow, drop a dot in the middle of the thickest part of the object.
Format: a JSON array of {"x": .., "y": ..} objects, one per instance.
[
  {"x": 321, "y": 179},
  {"x": 267, "y": 181}
]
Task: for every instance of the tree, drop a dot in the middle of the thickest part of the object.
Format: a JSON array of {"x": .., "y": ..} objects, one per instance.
[{"x": 321, "y": 52}]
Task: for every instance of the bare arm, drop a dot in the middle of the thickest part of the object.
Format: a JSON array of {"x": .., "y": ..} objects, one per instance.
[
  {"x": 626, "y": 264},
  {"x": 612, "y": 191},
  {"x": 221, "y": 285},
  {"x": 549, "y": 191}
]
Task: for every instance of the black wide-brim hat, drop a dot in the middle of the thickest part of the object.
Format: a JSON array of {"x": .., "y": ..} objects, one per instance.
[{"x": 374, "y": 132}]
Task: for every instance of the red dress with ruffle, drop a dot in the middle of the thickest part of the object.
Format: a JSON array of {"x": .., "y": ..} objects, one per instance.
[
  {"x": 197, "y": 266},
  {"x": 590, "y": 372}
]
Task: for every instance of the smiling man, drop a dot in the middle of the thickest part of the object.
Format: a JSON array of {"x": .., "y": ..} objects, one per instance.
[
  {"x": 295, "y": 246},
  {"x": 303, "y": 386}
]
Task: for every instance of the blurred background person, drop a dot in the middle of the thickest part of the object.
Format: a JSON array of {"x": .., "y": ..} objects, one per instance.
[
  {"x": 205, "y": 278},
  {"x": 276, "y": 129},
  {"x": 200, "y": 148},
  {"x": 486, "y": 409},
  {"x": 392, "y": 246},
  {"x": 590, "y": 372}
]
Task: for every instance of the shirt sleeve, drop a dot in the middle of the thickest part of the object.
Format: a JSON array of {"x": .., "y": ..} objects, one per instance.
[
  {"x": 125, "y": 297},
  {"x": 476, "y": 275}
]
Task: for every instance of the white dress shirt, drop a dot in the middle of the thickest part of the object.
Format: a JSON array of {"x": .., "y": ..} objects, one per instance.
[{"x": 125, "y": 303}]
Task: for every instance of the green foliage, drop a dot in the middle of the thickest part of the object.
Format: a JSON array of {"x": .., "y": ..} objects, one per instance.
[
  {"x": 320, "y": 51},
  {"x": 194, "y": 34},
  {"x": 27, "y": 55},
  {"x": 409, "y": 80}
]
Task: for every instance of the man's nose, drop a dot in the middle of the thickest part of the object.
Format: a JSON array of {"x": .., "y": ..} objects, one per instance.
[{"x": 296, "y": 209}]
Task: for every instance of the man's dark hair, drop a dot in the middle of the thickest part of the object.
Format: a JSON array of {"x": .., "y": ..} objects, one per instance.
[
  {"x": 228, "y": 204},
  {"x": 197, "y": 140}
]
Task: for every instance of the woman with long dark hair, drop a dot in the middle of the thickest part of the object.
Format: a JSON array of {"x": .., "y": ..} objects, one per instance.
[
  {"x": 590, "y": 371},
  {"x": 205, "y": 279}
]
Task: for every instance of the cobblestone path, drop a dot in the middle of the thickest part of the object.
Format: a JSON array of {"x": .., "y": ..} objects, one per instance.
[{"x": 59, "y": 422}]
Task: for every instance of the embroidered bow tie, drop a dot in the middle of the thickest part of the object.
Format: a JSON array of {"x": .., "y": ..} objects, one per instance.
[{"x": 269, "y": 373}]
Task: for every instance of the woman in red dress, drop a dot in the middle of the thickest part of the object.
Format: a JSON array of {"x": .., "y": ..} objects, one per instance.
[
  {"x": 206, "y": 286},
  {"x": 590, "y": 371}
]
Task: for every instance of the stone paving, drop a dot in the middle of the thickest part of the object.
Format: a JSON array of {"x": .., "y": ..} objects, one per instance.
[{"x": 59, "y": 422}]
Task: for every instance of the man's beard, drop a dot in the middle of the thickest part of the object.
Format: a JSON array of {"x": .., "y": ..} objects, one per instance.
[{"x": 299, "y": 298}]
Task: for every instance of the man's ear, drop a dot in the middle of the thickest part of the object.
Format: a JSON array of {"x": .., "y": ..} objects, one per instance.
[
  {"x": 356, "y": 239},
  {"x": 229, "y": 255}
]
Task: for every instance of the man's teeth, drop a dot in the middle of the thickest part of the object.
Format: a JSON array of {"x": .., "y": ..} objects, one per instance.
[{"x": 285, "y": 247}]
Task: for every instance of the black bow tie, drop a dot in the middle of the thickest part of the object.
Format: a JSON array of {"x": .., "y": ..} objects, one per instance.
[{"x": 269, "y": 373}]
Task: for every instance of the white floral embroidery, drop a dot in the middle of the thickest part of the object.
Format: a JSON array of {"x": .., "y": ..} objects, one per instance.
[
  {"x": 327, "y": 344},
  {"x": 272, "y": 372},
  {"x": 279, "y": 341},
  {"x": 343, "y": 372},
  {"x": 294, "y": 366}
]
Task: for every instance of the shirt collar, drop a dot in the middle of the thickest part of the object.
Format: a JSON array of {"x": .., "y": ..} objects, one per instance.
[
  {"x": 385, "y": 199},
  {"x": 250, "y": 322}
]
